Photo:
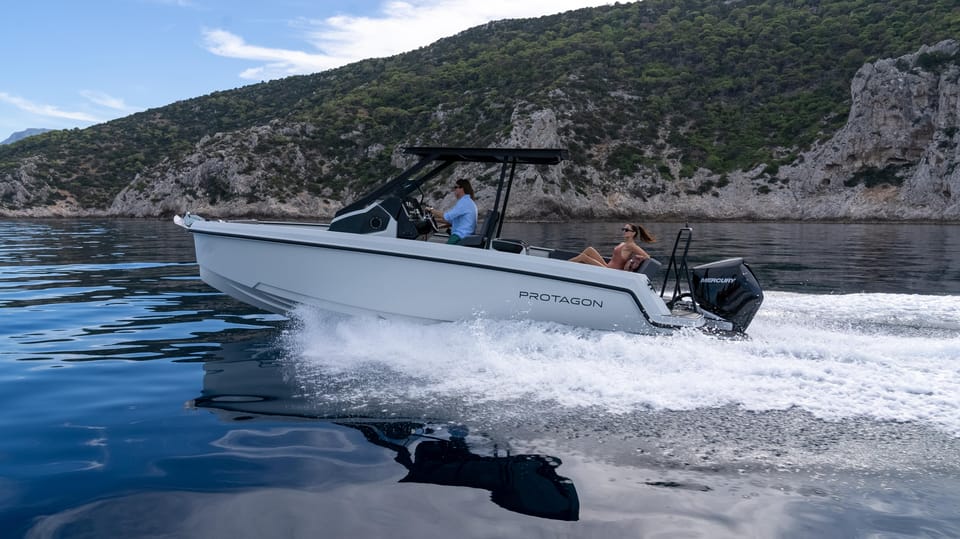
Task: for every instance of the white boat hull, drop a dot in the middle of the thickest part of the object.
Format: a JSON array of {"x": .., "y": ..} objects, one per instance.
[{"x": 278, "y": 266}]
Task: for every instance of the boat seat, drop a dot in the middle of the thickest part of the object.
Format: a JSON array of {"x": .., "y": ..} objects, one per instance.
[
  {"x": 560, "y": 254},
  {"x": 509, "y": 246},
  {"x": 649, "y": 267},
  {"x": 485, "y": 232}
]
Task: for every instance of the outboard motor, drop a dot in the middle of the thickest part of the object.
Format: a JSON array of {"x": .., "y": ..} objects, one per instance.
[{"x": 729, "y": 289}]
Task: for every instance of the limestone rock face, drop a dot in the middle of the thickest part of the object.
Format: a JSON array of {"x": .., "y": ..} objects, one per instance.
[
  {"x": 897, "y": 156},
  {"x": 229, "y": 175},
  {"x": 29, "y": 195}
]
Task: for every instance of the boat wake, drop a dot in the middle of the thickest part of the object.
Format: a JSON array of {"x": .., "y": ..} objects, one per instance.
[{"x": 886, "y": 358}]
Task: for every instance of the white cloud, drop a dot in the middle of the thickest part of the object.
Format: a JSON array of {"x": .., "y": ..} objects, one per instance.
[
  {"x": 49, "y": 111},
  {"x": 281, "y": 62},
  {"x": 398, "y": 27},
  {"x": 105, "y": 100}
]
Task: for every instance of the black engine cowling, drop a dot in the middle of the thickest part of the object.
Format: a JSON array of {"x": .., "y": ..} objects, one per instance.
[{"x": 729, "y": 289}]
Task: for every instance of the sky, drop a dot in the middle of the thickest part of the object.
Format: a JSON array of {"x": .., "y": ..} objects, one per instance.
[{"x": 76, "y": 63}]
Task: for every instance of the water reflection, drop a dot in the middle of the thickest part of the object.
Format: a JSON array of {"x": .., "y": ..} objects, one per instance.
[
  {"x": 526, "y": 484},
  {"x": 433, "y": 452},
  {"x": 74, "y": 290}
]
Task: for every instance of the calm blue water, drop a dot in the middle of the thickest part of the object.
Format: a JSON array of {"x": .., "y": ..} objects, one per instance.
[{"x": 137, "y": 402}]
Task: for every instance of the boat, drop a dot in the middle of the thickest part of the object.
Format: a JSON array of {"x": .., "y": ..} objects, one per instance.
[{"x": 383, "y": 255}]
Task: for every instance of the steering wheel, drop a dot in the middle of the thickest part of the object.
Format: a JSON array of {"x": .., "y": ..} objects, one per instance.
[
  {"x": 413, "y": 206},
  {"x": 421, "y": 216},
  {"x": 428, "y": 221}
]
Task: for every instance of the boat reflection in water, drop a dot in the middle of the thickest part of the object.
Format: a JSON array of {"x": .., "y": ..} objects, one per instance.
[
  {"x": 526, "y": 484},
  {"x": 432, "y": 452}
]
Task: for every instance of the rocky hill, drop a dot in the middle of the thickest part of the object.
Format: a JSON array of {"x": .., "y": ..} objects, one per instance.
[
  {"x": 896, "y": 158},
  {"x": 19, "y": 135},
  {"x": 668, "y": 107}
]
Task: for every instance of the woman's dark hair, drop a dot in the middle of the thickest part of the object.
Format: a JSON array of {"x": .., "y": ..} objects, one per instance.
[
  {"x": 642, "y": 234},
  {"x": 467, "y": 188}
]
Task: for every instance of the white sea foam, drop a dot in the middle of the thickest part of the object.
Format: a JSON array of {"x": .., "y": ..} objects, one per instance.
[{"x": 882, "y": 356}]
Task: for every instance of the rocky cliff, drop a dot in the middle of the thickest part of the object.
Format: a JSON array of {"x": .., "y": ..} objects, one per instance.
[
  {"x": 897, "y": 155},
  {"x": 894, "y": 159}
]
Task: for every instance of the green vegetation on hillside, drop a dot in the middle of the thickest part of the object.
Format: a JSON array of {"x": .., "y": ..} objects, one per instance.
[{"x": 725, "y": 85}]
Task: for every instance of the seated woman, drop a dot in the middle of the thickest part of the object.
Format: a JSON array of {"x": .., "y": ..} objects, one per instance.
[{"x": 626, "y": 252}]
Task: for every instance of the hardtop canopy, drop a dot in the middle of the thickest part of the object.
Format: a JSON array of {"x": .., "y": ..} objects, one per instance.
[{"x": 407, "y": 181}]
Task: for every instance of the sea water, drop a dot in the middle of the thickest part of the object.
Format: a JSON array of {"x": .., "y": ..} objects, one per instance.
[{"x": 139, "y": 402}]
